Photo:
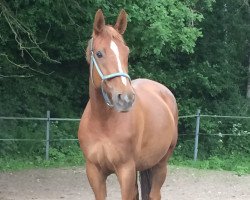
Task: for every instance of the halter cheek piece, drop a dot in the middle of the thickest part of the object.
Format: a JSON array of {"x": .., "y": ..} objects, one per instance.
[{"x": 93, "y": 64}]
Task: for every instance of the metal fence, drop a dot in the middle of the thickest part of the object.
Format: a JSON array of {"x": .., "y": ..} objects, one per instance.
[{"x": 49, "y": 119}]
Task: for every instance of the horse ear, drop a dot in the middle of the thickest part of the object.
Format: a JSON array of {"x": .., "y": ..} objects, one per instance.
[
  {"x": 99, "y": 22},
  {"x": 121, "y": 22}
]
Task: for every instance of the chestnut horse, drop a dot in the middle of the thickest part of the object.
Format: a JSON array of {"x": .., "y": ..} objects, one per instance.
[{"x": 127, "y": 126}]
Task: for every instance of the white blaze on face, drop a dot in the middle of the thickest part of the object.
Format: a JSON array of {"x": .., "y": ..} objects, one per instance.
[{"x": 115, "y": 49}]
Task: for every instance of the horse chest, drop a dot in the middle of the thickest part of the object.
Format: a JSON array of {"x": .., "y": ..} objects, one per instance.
[{"x": 104, "y": 153}]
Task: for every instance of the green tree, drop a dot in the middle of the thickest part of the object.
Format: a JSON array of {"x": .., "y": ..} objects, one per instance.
[
  {"x": 199, "y": 49},
  {"x": 44, "y": 40}
]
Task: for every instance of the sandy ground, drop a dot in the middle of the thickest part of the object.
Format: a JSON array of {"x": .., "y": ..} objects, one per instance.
[{"x": 72, "y": 184}]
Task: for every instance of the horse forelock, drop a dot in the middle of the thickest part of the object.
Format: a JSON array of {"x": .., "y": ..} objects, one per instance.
[{"x": 108, "y": 32}]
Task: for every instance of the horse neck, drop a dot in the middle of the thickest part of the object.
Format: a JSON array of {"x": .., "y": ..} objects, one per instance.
[{"x": 99, "y": 108}]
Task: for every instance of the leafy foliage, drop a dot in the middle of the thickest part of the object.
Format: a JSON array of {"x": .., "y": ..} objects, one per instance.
[{"x": 199, "y": 49}]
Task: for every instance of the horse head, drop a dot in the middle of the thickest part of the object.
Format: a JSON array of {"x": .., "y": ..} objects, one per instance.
[{"x": 107, "y": 55}]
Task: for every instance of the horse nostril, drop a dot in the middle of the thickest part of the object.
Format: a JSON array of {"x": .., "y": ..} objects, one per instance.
[
  {"x": 129, "y": 97},
  {"x": 120, "y": 99},
  {"x": 119, "y": 96},
  {"x": 125, "y": 99},
  {"x": 133, "y": 96}
]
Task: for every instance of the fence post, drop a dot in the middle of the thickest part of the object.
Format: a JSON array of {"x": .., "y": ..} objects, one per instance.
[
  {"x": 197, "y": 134},
  {"x": 47, "y": 136}
]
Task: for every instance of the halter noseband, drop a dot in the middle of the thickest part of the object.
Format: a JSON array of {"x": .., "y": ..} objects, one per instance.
[{"x": 103, "y": 77}]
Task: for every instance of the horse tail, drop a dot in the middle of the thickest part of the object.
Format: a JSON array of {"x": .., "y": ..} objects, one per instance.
[{"x": 146, "y": 182}]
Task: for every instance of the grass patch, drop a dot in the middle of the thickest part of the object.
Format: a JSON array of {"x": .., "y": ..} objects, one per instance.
[
  {"x": 238, "y": 164},
  {"x": 57, "y": 159}
]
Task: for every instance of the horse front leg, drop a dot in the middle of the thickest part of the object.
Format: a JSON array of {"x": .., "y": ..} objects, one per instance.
[
  {"x": 128, "y": 182},
  {"x": 97, "y": 180}
]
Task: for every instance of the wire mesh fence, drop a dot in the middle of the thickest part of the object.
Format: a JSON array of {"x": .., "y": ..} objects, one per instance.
[{"x": 47, "y": 132}]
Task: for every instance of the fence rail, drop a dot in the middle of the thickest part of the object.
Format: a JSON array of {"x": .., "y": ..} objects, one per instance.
[
  {"x": 225, "y": 116},
  {"x": 40, "y": 118},
  {"x": 49, "y": 119}
]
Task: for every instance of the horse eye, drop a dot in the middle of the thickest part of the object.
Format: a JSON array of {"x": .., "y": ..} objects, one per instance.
[{"x": 99, "y": 54}]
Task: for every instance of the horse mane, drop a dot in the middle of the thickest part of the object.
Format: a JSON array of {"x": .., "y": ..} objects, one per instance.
[{"x": 108, "y": 31}]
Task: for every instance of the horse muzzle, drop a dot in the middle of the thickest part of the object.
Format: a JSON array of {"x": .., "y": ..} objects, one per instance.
[{"x": 123, "y": 102}]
